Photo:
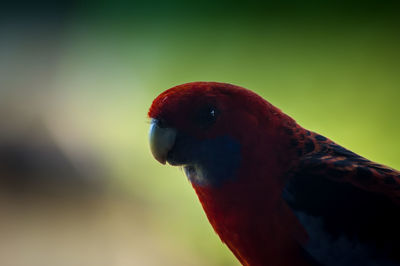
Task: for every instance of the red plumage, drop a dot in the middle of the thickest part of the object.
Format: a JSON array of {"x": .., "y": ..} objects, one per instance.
[{"x": 249, "y": 212}]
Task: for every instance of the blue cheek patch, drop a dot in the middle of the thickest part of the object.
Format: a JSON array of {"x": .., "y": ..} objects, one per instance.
[{"x": 213, "y": 161}]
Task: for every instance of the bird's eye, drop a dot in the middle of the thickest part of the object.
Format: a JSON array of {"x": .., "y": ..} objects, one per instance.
[{"x": 206, "y": 116}]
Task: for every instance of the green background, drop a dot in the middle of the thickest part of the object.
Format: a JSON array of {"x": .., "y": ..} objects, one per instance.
[{"x": 333, "y": 66}]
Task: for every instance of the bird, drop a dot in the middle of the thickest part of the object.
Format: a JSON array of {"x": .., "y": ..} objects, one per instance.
[{"x": 276, "y": 193}]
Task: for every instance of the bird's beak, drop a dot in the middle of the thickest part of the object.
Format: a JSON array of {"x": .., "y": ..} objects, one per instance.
[{"x": 162, "y": 139}]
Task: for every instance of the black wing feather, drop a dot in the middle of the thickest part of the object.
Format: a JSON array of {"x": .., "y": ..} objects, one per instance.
[{"x": 337, "y": 187}]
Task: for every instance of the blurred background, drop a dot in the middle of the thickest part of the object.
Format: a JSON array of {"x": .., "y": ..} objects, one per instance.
[{"x": 78, "y": 185}]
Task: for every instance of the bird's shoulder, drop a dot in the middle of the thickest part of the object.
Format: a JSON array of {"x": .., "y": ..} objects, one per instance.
[{"x": 348, "y": 205}]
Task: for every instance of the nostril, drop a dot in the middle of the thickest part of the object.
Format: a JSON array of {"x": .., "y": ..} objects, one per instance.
[{"x": 161, "y": 123}]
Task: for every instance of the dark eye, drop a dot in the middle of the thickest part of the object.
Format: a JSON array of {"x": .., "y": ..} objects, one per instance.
[{"x": 206, "y": 116}]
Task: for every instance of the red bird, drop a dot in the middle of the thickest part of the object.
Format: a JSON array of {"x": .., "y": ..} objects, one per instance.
[{"x": 276, "y": 193}]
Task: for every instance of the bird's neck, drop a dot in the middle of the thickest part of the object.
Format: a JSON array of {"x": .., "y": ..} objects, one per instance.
[{"x": 249, "y": 214}]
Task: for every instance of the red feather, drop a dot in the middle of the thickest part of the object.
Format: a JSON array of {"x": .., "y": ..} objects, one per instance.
[{"x": 248, "y": 212}]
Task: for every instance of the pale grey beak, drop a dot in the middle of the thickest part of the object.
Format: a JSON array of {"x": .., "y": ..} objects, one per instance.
[{"x": 162, "y": 139}]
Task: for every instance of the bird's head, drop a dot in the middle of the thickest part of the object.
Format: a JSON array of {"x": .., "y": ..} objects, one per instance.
[{"x": 212, "y": 129}]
